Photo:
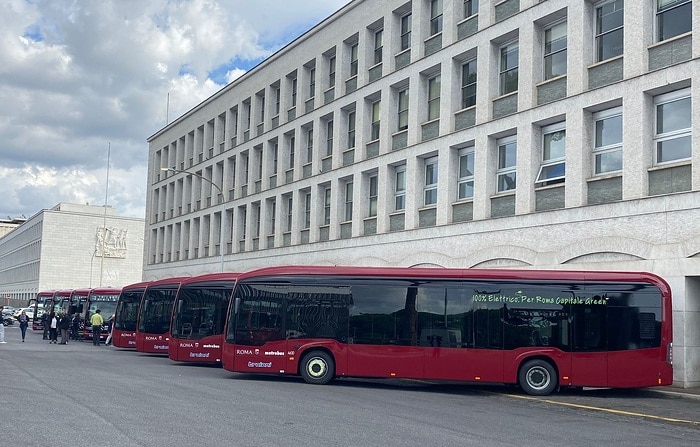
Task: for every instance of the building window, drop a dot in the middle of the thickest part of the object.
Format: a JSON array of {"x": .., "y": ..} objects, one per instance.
[
  {"x": 555, "y": 51},
  {"x": 375, "y": 126},
  {"x": 312, "y": 82},
  {"x": 290, "y": 213},
  {"x": 378, "y": 36},
  {"x": 257, "y": 211},
  {"x": 400, "y": 188},
  {"x": 403, "y": 109},
  {"x": 292, "y": 143},
  {"x": 348, "y": 201},
  {"x": 406, "y": 32},
  {"x": 275, "y": 154},
  {"x": 277, "y": 101},
  {"x": 507, "y": 156},
  {"x": 471, "y": 7},
  {"x": 465, "y": 184},
  {"x": 294, "y": 92},
  {"x": 262, "y": 109},
  {"x": 553, "y": 167},
  {"x": 435, "y": 17},
  {"x": 373, "y": 194},
  {"x": 351, "y": 129},
  {"x": 329, "y": 137},
  {"x": 331, "y": 71},
  {"x": 672, "y": 138},
  {"x": 607, "y": 152},
  {"x": 508, "y": 72},
  {"x": 431, "y": 181},
  {"x": 469, "y": 84},
  {"x": 310, "y": 145},
  {"x": 609, "y": 29},
  {"x": 353, "y": 60},
  {"x": 273, "y": 216},
  {"x": 326, "y": 206},
  {"x": 434, "y": 98},
  {"x": 307, "y": 210},
  {"x": 673, "y": 18}
]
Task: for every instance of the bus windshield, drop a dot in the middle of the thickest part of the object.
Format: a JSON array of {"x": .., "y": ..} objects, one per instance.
[
  {"x": 154, "y": 315},
  {"x": 127, "y": 311},
  {"x": 201, "y": 309},
  {"x": 107, "y": 305}
]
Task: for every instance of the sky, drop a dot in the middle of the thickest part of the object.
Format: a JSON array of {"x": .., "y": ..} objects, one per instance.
[{"x": 84, "y": 82}]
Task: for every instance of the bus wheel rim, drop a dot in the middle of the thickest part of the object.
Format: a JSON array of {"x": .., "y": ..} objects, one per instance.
[
  {"x": 538, "y": 378},
  {"x": 316, "y": 368}
]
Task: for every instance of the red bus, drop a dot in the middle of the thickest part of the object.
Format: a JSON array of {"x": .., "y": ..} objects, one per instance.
[
  {"x": 126, "y": 316},
  {"x": 153, "y": 325},
  {"x": 539, "y": 329},
  {"x": 199, "y": 318},
  {"x": 62, "y": 300},
  {"x": 38, "y": 305},
  {"x": 103, "y": 298}
]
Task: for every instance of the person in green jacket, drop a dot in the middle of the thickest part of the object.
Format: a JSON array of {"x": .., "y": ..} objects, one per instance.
[{"x": 96, "y": 321}]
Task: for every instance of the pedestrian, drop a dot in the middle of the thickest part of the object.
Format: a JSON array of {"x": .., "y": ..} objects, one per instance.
[
  {"x": 64, "y": 325},
  {"x": 2, "y": 326},
  {"x": 23, "y": 324},
  {"x": 53, "y": 328},
  {"x": 75, "y": 327},
  {"x": 96, "y": 321},
  {"x": 45, "y": 323}
]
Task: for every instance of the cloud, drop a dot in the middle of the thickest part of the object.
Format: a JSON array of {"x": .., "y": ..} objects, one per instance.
[{"x": 79, "y": 77}]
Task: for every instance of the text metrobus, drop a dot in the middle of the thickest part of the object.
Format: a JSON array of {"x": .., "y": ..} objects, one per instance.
[
  {"x": 199, "y": 317},
  {"x": 538, "y": 329}
]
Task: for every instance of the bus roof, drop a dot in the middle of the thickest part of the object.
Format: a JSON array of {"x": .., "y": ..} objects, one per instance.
[
  {"x": 65, "y": 292},
  {"x": 174, "y": 281},
  {"x": 207, "y": 277},
  {"x": 106, "y": 291},
  {"x": 136, "y": 286},
  {"x": 452, "y": 273},
  {"x": 82, "y": 292}
]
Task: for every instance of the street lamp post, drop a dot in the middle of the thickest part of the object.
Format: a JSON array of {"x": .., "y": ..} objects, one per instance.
[{"x": 223, "y": 208}]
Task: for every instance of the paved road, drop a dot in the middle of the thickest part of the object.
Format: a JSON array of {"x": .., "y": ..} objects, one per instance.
[{"x": 80, "y": 394}]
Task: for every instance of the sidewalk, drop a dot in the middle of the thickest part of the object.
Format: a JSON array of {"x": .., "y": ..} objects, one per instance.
[{"x": 692, "y": 393}]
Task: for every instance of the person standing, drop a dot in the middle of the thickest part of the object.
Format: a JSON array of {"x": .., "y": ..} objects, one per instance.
[
  {"x": 46, "y": 322},
  {"x": 96, "y": 321},
  {"x": 53, "y": 328},
  {"x": 23, "y": 324},
  {"x": 110, "y": 329},
  {"x": 2, "y": 326},
  {"x": 75, "y": 327},
  {"x": 64, "y": 325}
]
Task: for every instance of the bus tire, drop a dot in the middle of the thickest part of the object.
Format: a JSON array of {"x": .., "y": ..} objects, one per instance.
[
  {"x": 317, "y": 368},
  {"x": 538, "y": 377}
]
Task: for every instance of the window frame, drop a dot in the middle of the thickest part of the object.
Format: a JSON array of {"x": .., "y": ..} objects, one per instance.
[
  {"x": 406, "y": 27},
  {"x": 378, "y": 46},
  {"x": 329, "y": 138},
  {"x": 400, "y": 188},
  {"x": 354, "y": 60},
  {"x": 348, "y": 191},
  {"x": 672, "y": 7},
  {"x": 436, "y": 16},
  {"x": 505, "y": 169},
  {"x": 551, "y": 54},
  {"x": 603, "y": 36},
  {"x": 469, "y": 85},
  {"x": 465, "y": 179},
  {"x": 675, "y": 134},
  {"x": 352, "y": 121},
  {"x": 470, "y": 8},
  {"x": 373, "y": 194},
  {"x": 550, "y": 163},
  {"x": 601, "y": 150},
  {"x": 375, "y": 125},
  {"x": 505, "y": 51},
  {"x": 430, "y": 184},
  {"x": 327, "y": 205},
  {"x": 402, "y": 113},
  {"x": 434, "y": 84}
]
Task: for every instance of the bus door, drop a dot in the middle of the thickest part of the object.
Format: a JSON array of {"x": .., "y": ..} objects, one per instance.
[
  {"x": 261, "y": 345},
  {"x": 444, "y": 332},
  {"x": 589, "y": 359}
]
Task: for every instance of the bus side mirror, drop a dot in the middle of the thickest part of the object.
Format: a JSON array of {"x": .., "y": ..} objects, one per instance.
[{"x": 236, "y": 305}]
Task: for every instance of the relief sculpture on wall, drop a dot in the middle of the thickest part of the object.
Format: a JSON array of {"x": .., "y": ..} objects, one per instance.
[{"x": 110, "y": 242}]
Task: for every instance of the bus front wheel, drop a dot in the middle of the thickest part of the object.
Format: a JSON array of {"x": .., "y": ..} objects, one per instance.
[
  {"x": 317, "y": 367},
  {"x": 538, "y": 377}
]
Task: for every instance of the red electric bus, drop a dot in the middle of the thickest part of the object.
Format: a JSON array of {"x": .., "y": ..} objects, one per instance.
[
  {"x": 103, "y": 298},
  {"x": 62, "y": 300},
  {"x": 153, "y": 325},
  {"x": 124, "y": 329},
  {"x": 38, "y": 305},
  {"x": 539, "y": 329},
  {"x": 199, "y": 317}
]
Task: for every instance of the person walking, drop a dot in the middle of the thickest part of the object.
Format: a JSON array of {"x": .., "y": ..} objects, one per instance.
[
  {"x": 53, "y": 328},
  {"x": 23, "y": 324},
  {"x": 64, "y": 325},
  {"x": 110, "y": 329},
  {"x": 2, "y": 326},
  {"x": 96, "y": 321}
]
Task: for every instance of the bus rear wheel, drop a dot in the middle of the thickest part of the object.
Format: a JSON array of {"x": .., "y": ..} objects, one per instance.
[
  {"x": 538, "y": 377},
  {"x": 317, "y": 368}
]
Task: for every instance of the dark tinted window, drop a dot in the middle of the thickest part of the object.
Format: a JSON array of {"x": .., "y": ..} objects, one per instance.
[
  {"x": 128, "y": 311},
  {"x": 200, "y": 310},
  {"x": 155, "y": 314}
]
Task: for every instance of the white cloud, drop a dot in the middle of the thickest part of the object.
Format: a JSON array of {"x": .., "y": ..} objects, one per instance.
[{"x": 78, "y": 76}]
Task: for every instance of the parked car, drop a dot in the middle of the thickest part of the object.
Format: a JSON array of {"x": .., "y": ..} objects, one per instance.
[
  {"x": 7, "y": 320},
  {"x": 28, "y": 310},
  {"x": 8, "y": 310}
]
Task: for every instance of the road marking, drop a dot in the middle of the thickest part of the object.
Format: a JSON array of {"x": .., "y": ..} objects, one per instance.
[{"x": 605, "y": 410}]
